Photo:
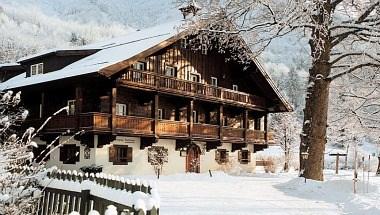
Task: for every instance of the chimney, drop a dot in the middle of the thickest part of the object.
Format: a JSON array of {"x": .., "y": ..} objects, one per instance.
[{"x": 190, "y": 7}]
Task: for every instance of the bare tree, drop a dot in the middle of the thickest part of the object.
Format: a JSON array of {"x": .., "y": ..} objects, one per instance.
[{"x": 343, "y": 38}]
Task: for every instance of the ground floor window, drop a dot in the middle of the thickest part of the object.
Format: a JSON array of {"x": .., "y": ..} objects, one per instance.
[
  {"x": 221, "y": 156},
  {"x": 41, "y": 153},
  {"x": 120, "y": 154},
  {"x": 244, "y": 156},
  {"x": 69, "y": 154}
]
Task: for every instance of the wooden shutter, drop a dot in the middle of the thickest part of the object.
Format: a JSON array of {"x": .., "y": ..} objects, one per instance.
[
  {"x": 129, "y": 154},
  {"x": 249, "y": 156},
  {"x": 77, "y": 151},
  {"x": 240, "y": 155},
  {"x": 112, "y": 153}
]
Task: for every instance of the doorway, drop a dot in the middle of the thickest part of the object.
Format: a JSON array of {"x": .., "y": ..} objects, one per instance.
[{"x": 193, "y": 159}]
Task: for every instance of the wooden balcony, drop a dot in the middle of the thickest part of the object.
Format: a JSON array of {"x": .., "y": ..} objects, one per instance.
[
  {"x": 258, "y": 137},
  {"x": 134, "y": 125},
  {"x": 172, "y": 85},
  {"x": 233, "y": 134},
  {"x": 205, "y": 131},
  {"x": 94, "y": 121},
  {"x": 172, "y": 128}
]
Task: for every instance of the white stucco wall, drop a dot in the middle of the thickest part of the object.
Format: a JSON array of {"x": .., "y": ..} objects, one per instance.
[{"x": 140, "y": 165}]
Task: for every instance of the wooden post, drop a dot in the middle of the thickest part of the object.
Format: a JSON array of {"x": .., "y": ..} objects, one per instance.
[
  {"x": 42, "y": 108},
  {"x": 245, "y": 124},
  {"x": 220, "y": 121},
  {"x": 78, "y": 104},
  {"x": 155, "y": 114},
  {"x": 266, "y": 128},
  {"x": 84, "y": 202},
  {"x": 113, "y": 109},
  {"x": 190, "y": 119},
  {"x": 337, "y": 164}
]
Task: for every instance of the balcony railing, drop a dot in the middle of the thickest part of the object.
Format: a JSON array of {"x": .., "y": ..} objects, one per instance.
[
  {"x": 236, "y": 134},
  {"x": 95, "y": 121},
  {"x": 134, "y": 125},
  {"x": 172, "y": 128},
  {"x": 169, "y": 84},
  {"x": 62, "y": 123},
  {"x": 205, "y": 131}
]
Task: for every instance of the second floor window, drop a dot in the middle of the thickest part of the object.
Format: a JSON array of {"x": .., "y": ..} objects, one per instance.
[
  {"x": 71, "y": 105},
  {"x": 121, "y": 109},
  {"x": 235, "y": 87},
  {"x": 160, "y": 113},
  {"x": 36, "y": 69},
  {"x": 195, "y": 77},
  {"x": 214, "y": 81},
  {"x": 171, "y": 71},
  {"x": 139, "y": 65},
  {"x": 195, "y": 116}
]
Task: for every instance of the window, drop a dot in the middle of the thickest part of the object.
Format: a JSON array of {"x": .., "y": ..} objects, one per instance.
[
  {"x": 120, "y": 154},
  {"x": 160, "y": 113},
  {"x": 139, "y": 65},
  {"x": 171, "y": 71},
  {"x": 184, "y": 43},
  {"x": 121, "y": 109},
  {"x": 235, "y": 87},
  {"x": 36, "y": 69},
  {"x": 214, "y": 81},
  {"x": 69, "y": 153},
  {"x": 195, "y": 116},
  {"x": 195, "y": 77},
  {"x": 71, "y": 105},
  {"x": 244, "y": 156},
  {"x": 204, "y": 49},
  {"x": 221, "y": 156}
]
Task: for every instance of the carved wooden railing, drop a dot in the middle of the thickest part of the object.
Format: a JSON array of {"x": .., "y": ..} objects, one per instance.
[
  {"x": 62, "y": 123},
  {"x": 233, "y": 133},
  {"x": 134, "y": 124},
  {"x": 179, "y": 86},
  {"x": 95, "y": 121},
  {"x": 205, "y": 130},
  {"x": 175, "y": 128}
]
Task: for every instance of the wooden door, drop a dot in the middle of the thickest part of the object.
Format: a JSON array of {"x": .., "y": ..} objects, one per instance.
[{"x": 193, "y": 159}]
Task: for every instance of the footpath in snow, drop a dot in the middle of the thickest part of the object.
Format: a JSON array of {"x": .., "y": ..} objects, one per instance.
[{"x": 262, "y": 193}]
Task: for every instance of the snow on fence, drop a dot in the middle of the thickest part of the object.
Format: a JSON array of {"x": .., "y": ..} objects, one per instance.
[{"x": 67, "y": 192}]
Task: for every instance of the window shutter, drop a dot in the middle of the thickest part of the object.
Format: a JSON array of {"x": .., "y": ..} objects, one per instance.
[
  {"x": 112, "y": 153},
  {"x": 217, "y": 156},
  {"x": 227, "y": 157},
  {"x": 77, "y": 153},
  {"x": 62, "y": 153},
  {"x": 240, "y": 155},
  {"x": 249, "y": 156},
  {"x": 129, "y": 154}
]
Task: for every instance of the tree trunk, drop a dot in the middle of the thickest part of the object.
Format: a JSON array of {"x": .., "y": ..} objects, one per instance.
[{"x": 313, "y": 137}]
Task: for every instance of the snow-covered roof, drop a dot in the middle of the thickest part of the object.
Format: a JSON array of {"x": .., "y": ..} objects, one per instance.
[
  {"x": 112, "y": 52},
  {"x": 9, "y": 64},
  {"x": 55, "y": 50}
]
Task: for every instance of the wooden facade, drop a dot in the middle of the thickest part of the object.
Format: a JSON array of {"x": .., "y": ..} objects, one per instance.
[{"x": 175, "y": 93}]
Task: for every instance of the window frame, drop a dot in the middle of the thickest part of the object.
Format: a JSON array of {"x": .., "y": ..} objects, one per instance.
[
  {"x": 173, "y": 71},
  {"x": 235, "y": 87},
  {"x": 160, "y": 114},
  {"x": 36, "y": 69},
  {"x": 214, "y": 81},
  {"x": 65, "y": 155},
  {"x": 244, "y": 156},
  {"x": 70, "y": 111},
  {"x": 116, "y": 159},
  {"x": 218, "y": 156},
  {"x": 124, "y": 111},
  {"x": 195, "y": 117},
  {"x": 138, "y": 64}
]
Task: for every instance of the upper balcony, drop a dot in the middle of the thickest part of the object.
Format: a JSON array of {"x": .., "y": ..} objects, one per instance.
[{"x": 171, "y": 85}]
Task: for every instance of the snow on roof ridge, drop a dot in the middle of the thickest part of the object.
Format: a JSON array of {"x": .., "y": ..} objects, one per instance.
[{"x": 9, "y": 64}]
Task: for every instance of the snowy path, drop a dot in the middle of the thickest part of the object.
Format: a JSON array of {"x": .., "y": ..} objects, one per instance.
[{"x": 222, "y": 194}]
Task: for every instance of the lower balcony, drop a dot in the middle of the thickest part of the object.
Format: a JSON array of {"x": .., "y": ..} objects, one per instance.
[{"x": 143, "y": 126}]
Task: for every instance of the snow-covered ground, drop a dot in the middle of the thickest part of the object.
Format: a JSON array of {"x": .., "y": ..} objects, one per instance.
[{"x": 263, "y": 193}]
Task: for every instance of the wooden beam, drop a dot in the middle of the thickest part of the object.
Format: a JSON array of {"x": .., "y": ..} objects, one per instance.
[
  {"x": 245, "y": 124},
  {"x": 155, "y": 114},
  {"x": 266, "y": 128},
  {"x": 190, "y": 119},
  {"x": 42, "y": 108},
  {"x": 220, "y": 122},
  {"x": 113, "y": 109},
  {"x": 78, "y": 100}
]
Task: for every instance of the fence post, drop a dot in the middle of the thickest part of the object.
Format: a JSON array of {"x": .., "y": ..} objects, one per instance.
[{"x": 85, "y": 198}]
